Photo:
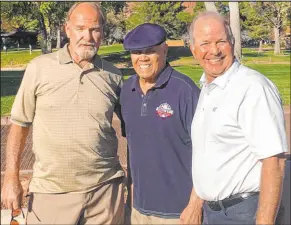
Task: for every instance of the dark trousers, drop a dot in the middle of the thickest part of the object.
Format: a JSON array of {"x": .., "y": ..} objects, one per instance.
[{"x": 241, "y": 213}]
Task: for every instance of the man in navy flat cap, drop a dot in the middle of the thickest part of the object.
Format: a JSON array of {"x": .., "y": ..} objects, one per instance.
[{"x": 158, "y": 104}]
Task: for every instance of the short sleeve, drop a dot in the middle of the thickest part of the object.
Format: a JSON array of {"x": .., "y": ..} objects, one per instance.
[
  {"x": 261, "y": 118},
  {"x": 23, "y": 109}
]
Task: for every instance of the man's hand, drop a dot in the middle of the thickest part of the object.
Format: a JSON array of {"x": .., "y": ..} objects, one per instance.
[
  {"x": 191, "y": 215},
  {"x": 12, "y": 191},
  {"x": 11, "y": 194}
]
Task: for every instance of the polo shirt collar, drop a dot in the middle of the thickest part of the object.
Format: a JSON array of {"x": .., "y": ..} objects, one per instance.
[
  {"x": 163, "y": 78},
  {"x": 64, "y": 55},
  {"x": 223, "y": 79},
  {"x": 65, "y": 58}
]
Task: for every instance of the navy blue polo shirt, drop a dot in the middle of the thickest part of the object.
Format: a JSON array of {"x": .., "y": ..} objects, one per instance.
[{"x": 157, "y": 127}]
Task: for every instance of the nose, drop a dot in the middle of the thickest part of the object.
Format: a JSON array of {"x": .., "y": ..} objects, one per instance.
[
  {"x": 87, "y": 34},
  {"x": 214, "y": 49},
  {"x": 143, "y": 57}
]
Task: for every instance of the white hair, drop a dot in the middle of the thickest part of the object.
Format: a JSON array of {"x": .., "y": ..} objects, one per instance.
[{"x": 218, "y": 17}]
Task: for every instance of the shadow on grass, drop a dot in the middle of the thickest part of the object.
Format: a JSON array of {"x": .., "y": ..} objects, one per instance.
[
  {"x": 176, "y": 52},
  {"x": 253, "y": 54},
  {"x": 119, "y": 57},
  {"x": 10, "y": 82}
]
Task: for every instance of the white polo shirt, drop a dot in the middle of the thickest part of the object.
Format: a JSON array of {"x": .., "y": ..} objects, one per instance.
[{"x": 238, "y": 121}]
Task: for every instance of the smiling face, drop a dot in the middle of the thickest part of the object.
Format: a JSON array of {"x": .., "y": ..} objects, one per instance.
[
  {"x": 149, "y": 62},
  {"x": 84, "y": 29},
  {"x": 212, "y": 47}
]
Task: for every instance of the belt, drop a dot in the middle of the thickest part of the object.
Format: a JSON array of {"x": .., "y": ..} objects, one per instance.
[{"x": 228, "y": 202}]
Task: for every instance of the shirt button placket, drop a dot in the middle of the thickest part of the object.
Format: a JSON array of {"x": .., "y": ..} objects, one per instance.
[{"x": 144, "y": 106}]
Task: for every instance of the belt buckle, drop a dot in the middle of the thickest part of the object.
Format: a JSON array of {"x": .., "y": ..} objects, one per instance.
[{"x": 214, "y": 206}]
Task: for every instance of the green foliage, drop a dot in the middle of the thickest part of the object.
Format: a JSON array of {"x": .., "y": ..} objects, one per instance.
[
  {"x": 185, "y": 17},
  {"x": 115, "y": 7},
  {"x": 258, "y": 28},
  {"x": 200, "y": 7},
  {"x": 17, "y": 15},
  {"x": 166, "y": 14},
  {"x": 115, "y": 27}
]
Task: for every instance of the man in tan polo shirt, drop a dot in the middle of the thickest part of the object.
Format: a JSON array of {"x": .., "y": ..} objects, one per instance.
[{"x": 69, "y": 97}]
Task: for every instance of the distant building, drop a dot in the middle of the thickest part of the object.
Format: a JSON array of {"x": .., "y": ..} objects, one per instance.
[{"x": 18, "y": 37}]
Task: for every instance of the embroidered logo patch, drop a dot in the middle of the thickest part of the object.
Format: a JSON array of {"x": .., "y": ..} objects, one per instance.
[{"x": 164, "y": 110}]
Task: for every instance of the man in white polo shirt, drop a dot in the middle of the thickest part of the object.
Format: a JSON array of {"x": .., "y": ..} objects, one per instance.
[{"x": 238, "y": 132}]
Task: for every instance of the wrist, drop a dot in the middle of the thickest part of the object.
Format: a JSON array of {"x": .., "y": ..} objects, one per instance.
[
  {"x": 11, "y": 175},
  {"x": 197, "y": 202},
  {"x": 264, "y": 221}
]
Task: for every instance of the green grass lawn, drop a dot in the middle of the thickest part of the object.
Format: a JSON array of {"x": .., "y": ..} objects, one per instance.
[
  {"x": 276, "y": 68},
  {"x": 279, "y": 74},
  {"x": 6, "y": 104},
  {"x": 21, "y": 58}
]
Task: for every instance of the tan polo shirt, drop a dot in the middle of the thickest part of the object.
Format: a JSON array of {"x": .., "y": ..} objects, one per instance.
[{"x": 71, "y": 110}]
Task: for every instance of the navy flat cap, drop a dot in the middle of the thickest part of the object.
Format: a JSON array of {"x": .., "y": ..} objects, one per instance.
[{"x": 144, "y": 36}]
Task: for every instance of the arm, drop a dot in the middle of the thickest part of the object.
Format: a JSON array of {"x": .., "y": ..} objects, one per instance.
[
  {"x": 22, "y": 115},
  {"x": 192, "y": 214},
  {"x": 129, "y": 200},
  {"x": 262, "y": 119},
  {"x": 11, "y": 194},
  {"x": 270, "y": 190}
]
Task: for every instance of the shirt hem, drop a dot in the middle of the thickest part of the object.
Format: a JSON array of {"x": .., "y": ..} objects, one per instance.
[
  {"x": 157, "y": 214},
  {"x": 85, "y": 190}
]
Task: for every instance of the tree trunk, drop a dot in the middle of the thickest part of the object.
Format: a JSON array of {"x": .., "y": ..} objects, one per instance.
[
  {"x": 43, "y": 34},
  {"x": 277, "y": 49},
  {"x": 49, "y": 42},
  {"x": 49, "y": 38},
  {"x": 58, "y": 37},
  {"x": 210, "y": 6},
  {"x": 261, "y": 46},
  {"x": 235, "y": 27},
  {"x": 43, "y": 39}
]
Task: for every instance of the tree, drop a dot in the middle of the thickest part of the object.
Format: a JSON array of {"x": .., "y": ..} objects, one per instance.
[
  {"x": 235, "y": 27},
  {"x": 166, "y": 14},
  {"x": 254, "y": 24},
  {"x": 275, "y": 13},
  {"x": 47, "y": 17},
  {"x": 210, "y": 6},
  {"x": 114, "y": 30},
  {"x": 12, "y": 20}
]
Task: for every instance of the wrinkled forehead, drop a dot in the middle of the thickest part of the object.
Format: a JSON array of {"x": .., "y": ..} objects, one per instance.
[
  {"x": 209, "y": 26},
  {"x": 85, "y": 14}
]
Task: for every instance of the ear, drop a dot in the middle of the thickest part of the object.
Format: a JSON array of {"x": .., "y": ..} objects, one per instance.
[
  {"x": 192, "y": 50},
  {"x": 166, "y": 49},
  {"x": 67, "y": 29}
]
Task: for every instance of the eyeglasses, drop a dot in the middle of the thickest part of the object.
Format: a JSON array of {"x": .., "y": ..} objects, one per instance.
[{"x": 14, "y": 214}]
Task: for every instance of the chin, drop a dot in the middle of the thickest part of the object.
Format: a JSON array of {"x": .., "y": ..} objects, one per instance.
[{"x": 87, "y": 54}]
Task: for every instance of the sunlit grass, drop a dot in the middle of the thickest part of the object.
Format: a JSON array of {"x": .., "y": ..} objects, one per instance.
[{"x": 275, "y": 67}]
